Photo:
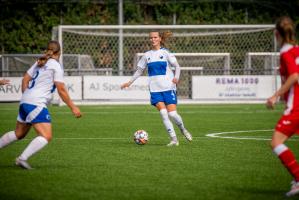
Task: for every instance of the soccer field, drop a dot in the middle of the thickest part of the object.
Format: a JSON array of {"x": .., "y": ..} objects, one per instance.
[{"x": 95, "y": 157}]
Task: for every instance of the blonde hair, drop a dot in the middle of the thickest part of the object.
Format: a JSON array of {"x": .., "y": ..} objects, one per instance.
[
  {"x": 164, "y": 37},
  {"x": 286, "y": 28},
  {"x": 53, "y": 48}
]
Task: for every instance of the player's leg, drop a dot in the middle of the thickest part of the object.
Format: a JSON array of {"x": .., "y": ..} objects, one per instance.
[
  {"x": 19, "y": 133},
  {"x": 21, "y": 130},
  {"x": 41, "y": 122},
  {"x": 170, "y": 99},
  {"x": 44, "y": 131},
  {"x": 158, "y": 101},
  {"x": 177, "y": 119},
  {"x": 167, "y": 123},
  {"x": 287, "y": 158}
]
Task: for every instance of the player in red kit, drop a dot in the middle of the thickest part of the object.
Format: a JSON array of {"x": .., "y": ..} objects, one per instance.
[{"x": 288, "y": 124}]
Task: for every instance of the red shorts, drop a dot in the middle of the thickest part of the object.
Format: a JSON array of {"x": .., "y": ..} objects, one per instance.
[{"x": 288, "y": 124}]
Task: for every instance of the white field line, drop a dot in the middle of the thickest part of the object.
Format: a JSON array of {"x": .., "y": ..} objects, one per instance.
[
  {"x": 155, "y": 112},
  {"x": 100, "y": 138},
  {"x": 149, "y": 108},
  {"x": 203, "y": 110},
  {"x": 221, "y": 135},
  {"x": 93, "y": 138},
  {"x": 207, "y": 136}
]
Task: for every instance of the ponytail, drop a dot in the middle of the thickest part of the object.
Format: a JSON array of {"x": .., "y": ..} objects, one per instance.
[
  {"x": 53, "y": 48},
  {"x": 164, "y": 37}
]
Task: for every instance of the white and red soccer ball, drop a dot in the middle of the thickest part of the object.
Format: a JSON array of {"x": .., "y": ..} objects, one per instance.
[{"x": 140, "y": 137}]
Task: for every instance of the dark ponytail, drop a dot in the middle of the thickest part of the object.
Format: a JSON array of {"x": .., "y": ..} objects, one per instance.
[{"x": 286, "y": 28}]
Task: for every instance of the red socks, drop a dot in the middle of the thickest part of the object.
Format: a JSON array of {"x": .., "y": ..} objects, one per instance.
[{"x": 288, "y": 160}]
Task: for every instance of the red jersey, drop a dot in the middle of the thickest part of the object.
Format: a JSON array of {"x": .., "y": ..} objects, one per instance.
[{"x": 289, "y": 64}]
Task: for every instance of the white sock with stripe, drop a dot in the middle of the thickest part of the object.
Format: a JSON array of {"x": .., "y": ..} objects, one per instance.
[
  {"x": 35, "y": 145},
  {"x": 8, "y": 138},
  {"x": 177, "y": 119},
  {"x": 279, "y": 149},
  {"x": 167, "y": 123}
]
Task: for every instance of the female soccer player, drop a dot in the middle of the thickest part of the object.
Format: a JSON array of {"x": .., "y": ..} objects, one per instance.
[
  {"x": 162, "y": 83},
  {"x": 37, "y": 85},
  {"x": 288, "y": 124}
]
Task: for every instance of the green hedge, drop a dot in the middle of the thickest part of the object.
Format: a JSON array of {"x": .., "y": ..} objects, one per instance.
[{"x": 26, "y": 26}]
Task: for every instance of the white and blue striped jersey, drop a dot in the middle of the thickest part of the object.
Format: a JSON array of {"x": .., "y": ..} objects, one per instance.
[
  {"x": 158, "y": 63},
  {"x": 41, "y": 87}
]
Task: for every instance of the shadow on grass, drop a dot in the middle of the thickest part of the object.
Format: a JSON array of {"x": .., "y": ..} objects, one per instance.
[
  {"x": 14, "y": 196},
  {"x": 263, "y": 192}
]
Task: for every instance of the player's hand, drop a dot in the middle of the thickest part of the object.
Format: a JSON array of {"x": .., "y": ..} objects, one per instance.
[
  {"x": 126, "y": 85},
  {"x": 4, "y": 82},
  {"x": 76, "y": 111},
  {"x": 271, "y": 102},
  {"x": 175, "y": 81}
]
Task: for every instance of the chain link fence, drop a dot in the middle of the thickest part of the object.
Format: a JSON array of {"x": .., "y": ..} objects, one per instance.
[
  {"x": 200, "y": 50},
  {"x": 117, "y": 47},
  {"x": 102, "y": 42},
  {"x": 261, "y": 63}
]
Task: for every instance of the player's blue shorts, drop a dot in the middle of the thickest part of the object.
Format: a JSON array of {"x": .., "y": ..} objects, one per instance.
[
  {"x": 33, "y": 114},
  {"x": 168, "y": 97}
]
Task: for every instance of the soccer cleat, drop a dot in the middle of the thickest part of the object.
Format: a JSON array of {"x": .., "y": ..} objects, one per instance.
[
  {"x": 23, "y": 164},
  {"x": 294, "y": 189},
  {"x": 187, "y": 135},
  {"x": 173, "y": 143}
]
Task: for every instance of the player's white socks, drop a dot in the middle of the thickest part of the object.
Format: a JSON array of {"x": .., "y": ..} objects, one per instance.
[
  {"x": 167, "y": 123},
  {"x": 35, "y": 145},
  {"x": 279, "y": 149},
  {"x": 177, "y": 119},
  {"x": 8, "y": 138}
]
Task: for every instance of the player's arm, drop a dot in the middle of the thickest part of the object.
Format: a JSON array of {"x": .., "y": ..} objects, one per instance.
[
  {"x": 4, "y": 82},
  {"x": 25, "y": 81},
  {"x": 63, "y": 93},
  {"x": 140, "y": 68},
  {"x": 173, "y": 61},
  {"x": 28, "y": 77},
  {"x": 136, "y": 75},
  {"x": 287, "y": 84},
  {"x": 283, "y": 89},
  {"x": 177, "y": 72}
]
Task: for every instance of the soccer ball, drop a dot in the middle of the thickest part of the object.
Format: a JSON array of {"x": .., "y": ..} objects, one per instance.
[{"x": 140, "y": 137}]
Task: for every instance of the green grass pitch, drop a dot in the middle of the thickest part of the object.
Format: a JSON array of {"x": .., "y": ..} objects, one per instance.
[{"x": 95, "y": 157}]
